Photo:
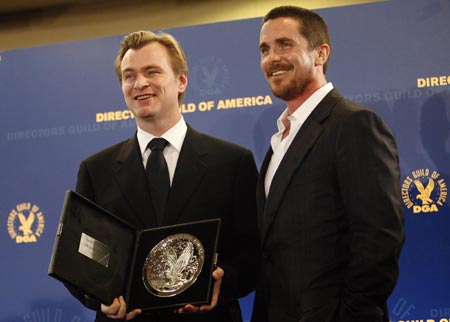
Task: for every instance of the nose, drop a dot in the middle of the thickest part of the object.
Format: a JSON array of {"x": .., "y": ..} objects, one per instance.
[
  {"x": 141, "y": 82},
  {"x": 273, "y": 55},
  {"x": 271, "y": 58}
]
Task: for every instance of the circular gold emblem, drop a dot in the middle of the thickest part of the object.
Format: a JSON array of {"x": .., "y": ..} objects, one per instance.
[
  {"x": 26, "y": 223},
  {"x": 424, "y": 191}
]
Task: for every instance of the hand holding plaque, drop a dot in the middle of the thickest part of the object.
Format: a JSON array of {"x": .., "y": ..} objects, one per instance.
[
  {"x": 118, "y": 310},
  {"x": 217, "y": 277}
]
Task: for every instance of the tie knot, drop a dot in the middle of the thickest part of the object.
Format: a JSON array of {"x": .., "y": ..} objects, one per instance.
[{"x": 157, "y": 144}]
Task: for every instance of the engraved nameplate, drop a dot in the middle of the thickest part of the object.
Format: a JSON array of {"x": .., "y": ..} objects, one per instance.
[{"x": 94, "y": 249}]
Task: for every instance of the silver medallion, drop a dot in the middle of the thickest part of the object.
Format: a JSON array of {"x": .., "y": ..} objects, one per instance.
[{"x": 173, "y": 265}]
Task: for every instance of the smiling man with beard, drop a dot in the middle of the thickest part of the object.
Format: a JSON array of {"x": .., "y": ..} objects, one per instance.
[{"x": 330, "y": 216}]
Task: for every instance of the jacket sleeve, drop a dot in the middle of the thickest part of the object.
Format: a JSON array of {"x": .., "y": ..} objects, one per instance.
[{"x": 242, "y": 257}]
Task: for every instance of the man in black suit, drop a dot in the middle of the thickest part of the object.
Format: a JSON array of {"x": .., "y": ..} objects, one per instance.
[
  {"x": 329, "y": 207},
  {"x": 209, "y": 178}
]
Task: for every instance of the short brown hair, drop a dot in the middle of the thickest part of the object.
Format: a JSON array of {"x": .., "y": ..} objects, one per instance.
[
  {"x": 139, "y": 39},
  {"x": 312, "y": 26}
]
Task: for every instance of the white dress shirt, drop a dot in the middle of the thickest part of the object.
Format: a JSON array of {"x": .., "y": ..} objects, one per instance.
[
  {"x": 296, "y": 120},
  {"x": 175, "y": 136}
]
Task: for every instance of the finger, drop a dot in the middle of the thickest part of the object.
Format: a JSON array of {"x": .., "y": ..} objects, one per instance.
[
  {"x": 111, "y": 309},
  {"x": 131, "y": 315},
  {"x": 122, "y": 309},
  {"x": 217, "y": 275},
  {"x": 205, "y": 308},
  {"x": 189, "y": 308}
]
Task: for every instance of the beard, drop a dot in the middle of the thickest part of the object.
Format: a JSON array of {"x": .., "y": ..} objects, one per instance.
[{"x": 294, "y": 89}]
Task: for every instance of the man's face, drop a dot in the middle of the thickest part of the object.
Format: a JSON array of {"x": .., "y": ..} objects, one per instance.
[
  {"x": 286, "y": 59},
  {"x": 149, "y": 85}
]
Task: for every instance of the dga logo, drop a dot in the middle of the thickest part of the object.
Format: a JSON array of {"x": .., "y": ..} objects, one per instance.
[
  {"x": 423, "y": 191},
  {"x": 26, "y": 223},
  {"x": 210, "y": 76}
]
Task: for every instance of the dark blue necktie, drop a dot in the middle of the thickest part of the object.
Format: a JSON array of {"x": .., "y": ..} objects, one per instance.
[{"x": 158, "y": 176}]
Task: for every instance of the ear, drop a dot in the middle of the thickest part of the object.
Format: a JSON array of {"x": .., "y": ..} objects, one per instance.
[
  {"x": 182, "y": 83},
  {"x": 323, "y": 52}
]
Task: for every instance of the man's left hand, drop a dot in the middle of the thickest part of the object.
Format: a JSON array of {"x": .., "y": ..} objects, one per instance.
[{"x": 217, "y": 275}]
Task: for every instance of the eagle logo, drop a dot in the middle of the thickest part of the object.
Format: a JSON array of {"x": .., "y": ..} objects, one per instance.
[
  {"x": 26, "y": 223},
  {"x": 177, "y": 265},
  {"x": 425, "y": 192},
  {"x": 210, "y": 76},
  {"x": 173, "y": 265}
]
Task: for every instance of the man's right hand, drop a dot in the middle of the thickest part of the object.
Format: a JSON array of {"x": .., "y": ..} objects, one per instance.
[{"x": 118, "y": 310}]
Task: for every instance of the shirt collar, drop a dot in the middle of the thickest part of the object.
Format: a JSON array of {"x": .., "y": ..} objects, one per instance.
[
  {"x": 175, "y": 136},
  {"x": 304, "y": 110}
]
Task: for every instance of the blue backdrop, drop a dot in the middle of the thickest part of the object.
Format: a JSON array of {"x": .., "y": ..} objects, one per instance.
[{"x": 58, "y": 101}]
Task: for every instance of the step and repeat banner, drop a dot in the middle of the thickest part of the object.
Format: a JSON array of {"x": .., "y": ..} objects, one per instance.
[{"x": 61, "y": 103}]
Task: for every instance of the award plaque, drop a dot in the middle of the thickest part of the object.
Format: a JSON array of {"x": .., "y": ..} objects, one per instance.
[{"x": 105, "y": 257}]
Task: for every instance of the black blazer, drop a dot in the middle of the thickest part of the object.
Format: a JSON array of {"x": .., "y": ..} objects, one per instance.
[
  {"x": 331, "y": 228},
  {"x": 213, "y": 178}
]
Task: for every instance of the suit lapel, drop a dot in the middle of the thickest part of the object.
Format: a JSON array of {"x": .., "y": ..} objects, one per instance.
[
  {"x": 131, "y": 177},
  {"x": 296, "y": 153},
  {"x": 189, "y": 172}
]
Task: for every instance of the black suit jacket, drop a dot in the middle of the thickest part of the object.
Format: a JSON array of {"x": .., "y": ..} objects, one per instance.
[
  {"x": 213, "y": 178},
  {"x": 331, "y": 228}
]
